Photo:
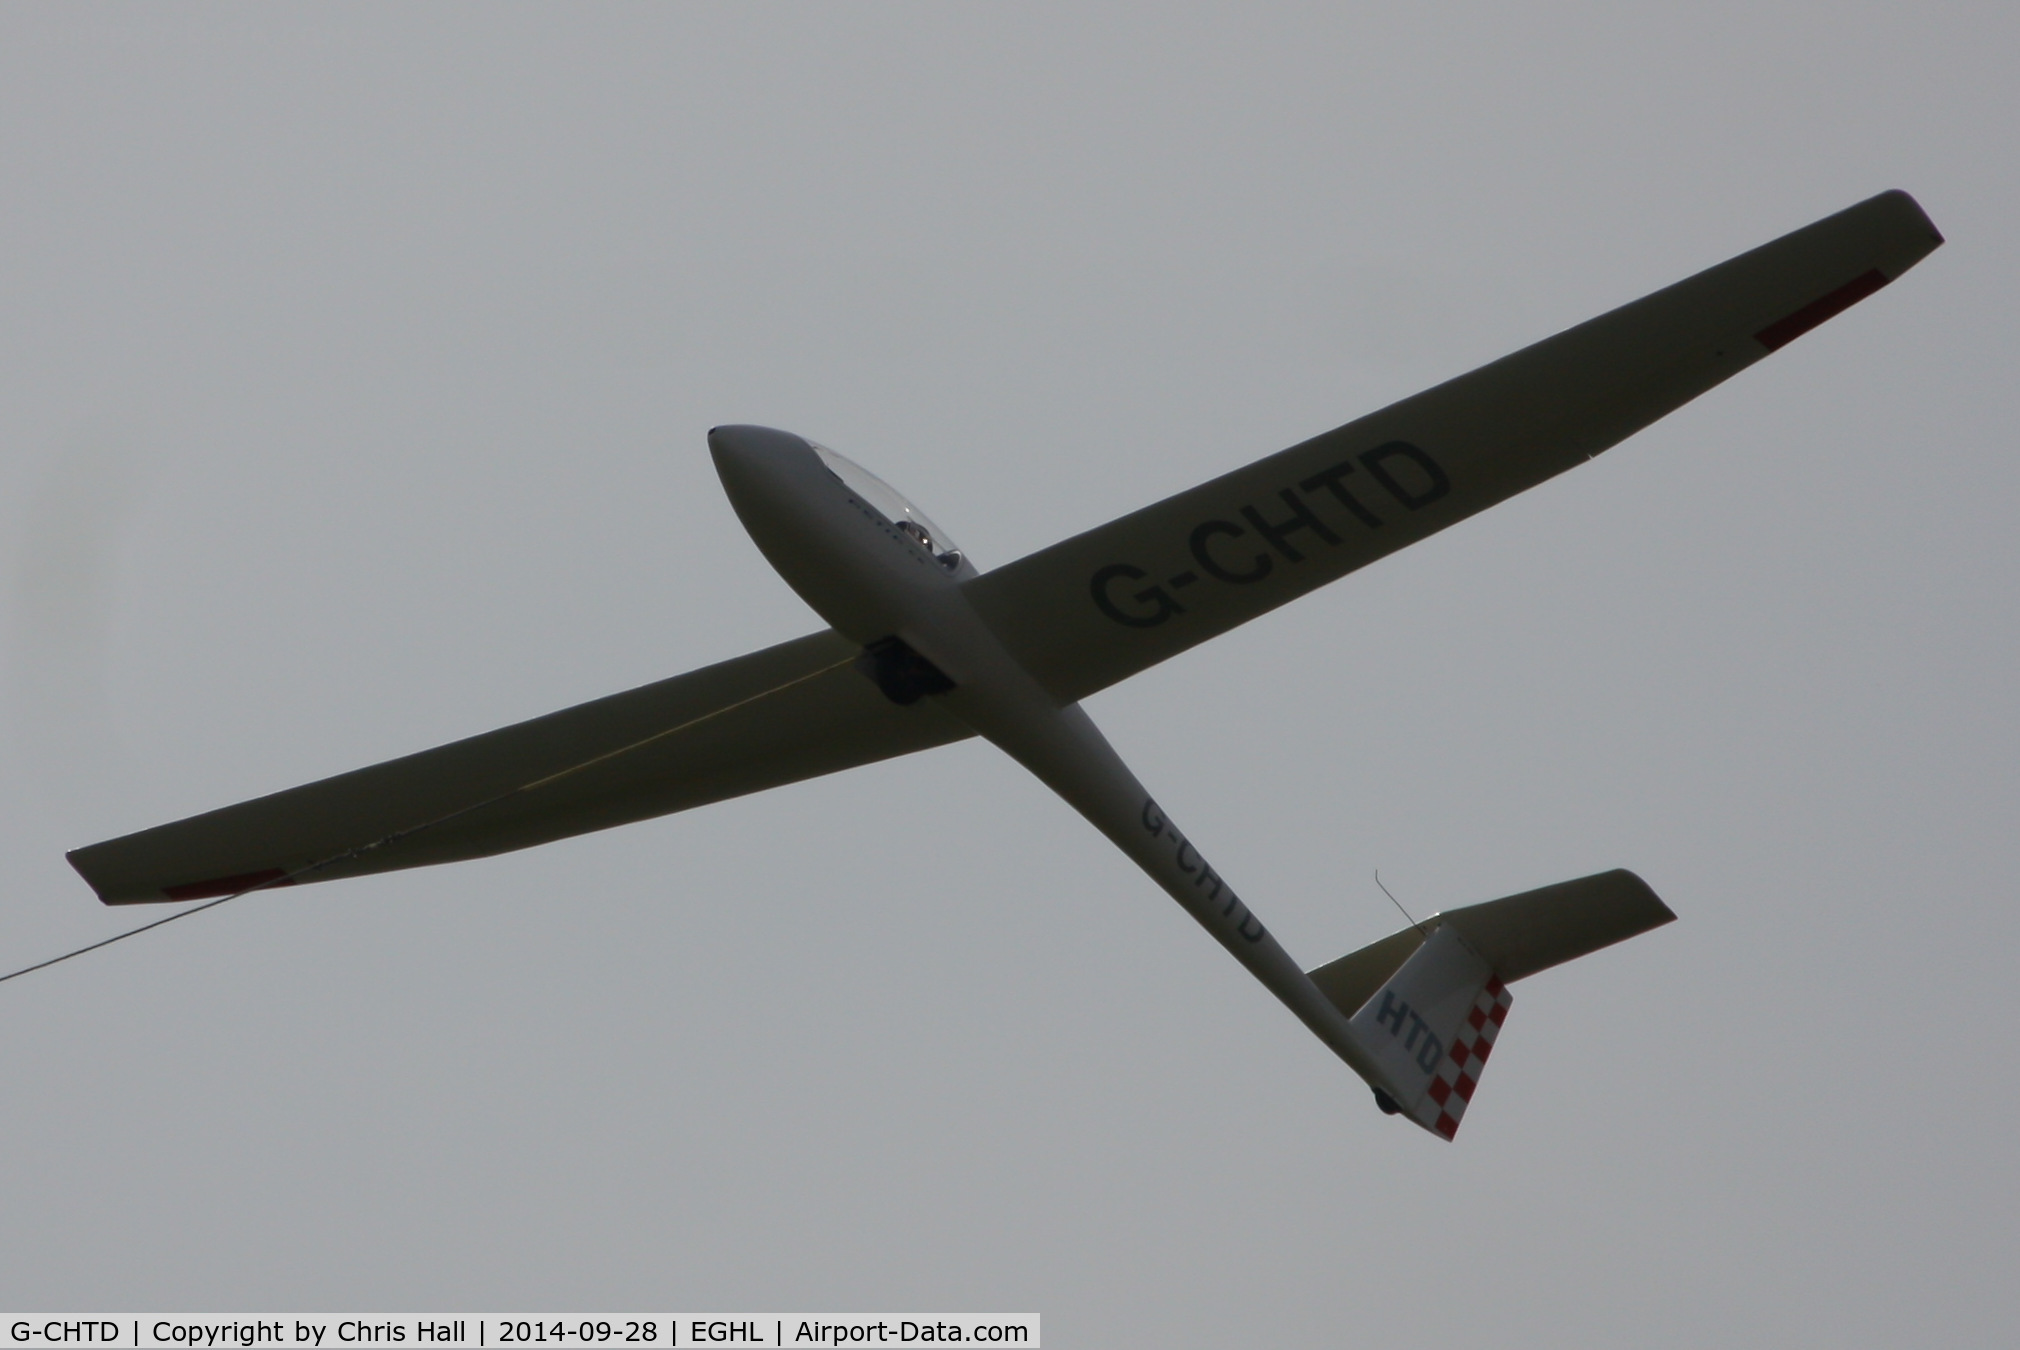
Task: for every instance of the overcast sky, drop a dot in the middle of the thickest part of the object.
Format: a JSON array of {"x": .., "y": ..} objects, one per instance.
[{"x": 354, "y": 370}]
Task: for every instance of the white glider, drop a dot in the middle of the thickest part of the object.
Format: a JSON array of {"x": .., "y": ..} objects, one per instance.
[{"x": 923, "y": 649}]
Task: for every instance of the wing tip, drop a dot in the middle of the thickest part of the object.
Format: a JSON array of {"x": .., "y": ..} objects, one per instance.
[
  {"x": 112, "y": 889},
  {"x": 1903, "y": 198},
  {"x": 75, "y": 857}
]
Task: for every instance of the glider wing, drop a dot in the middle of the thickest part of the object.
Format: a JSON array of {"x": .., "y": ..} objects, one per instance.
[
  {"x": 776, "y": 716},
  {"x": 1103, "y": 605}
]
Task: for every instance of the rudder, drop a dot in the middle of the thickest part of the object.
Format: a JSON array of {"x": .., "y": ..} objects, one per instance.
[{"x": 1430, "y": 1030}]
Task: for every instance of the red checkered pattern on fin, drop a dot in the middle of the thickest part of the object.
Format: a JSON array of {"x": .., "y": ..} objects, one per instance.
[{"x": 1459, "y": 1072}]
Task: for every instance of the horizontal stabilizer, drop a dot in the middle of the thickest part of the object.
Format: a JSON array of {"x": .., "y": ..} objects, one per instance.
[{"x": 1546, "y": 927}]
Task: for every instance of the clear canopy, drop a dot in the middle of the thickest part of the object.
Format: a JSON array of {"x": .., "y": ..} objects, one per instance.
[{"x": 894, "y": 506}]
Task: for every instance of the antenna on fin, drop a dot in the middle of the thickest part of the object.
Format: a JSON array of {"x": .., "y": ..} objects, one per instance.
[{"x": 1397, "y": 903}]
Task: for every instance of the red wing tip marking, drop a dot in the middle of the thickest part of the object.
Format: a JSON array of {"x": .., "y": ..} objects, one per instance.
[
  {"x": 244, "y": 881},
  {"x": 1787, "y": 329}
]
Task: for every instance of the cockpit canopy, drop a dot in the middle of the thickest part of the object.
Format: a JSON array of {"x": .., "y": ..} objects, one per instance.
[{"x": 909, "y": 519}]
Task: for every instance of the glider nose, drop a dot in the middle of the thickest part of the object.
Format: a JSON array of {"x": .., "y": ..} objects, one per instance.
[
  {"x": 723, "y": 441},
  {"x": 742, "y": 455},
  {"x": 743, "y": 445},
  {"x": 757, "y": 466},
  {"x": 763, "y": 471}
]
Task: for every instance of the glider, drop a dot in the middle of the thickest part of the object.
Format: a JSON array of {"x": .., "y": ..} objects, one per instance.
[{"x": 923, "y": 649}]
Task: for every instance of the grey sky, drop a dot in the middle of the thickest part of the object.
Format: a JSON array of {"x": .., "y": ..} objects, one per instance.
[{"x": 354, "y": 369}]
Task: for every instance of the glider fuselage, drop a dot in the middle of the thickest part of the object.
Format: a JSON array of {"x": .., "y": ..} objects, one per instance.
[{"x": 878, "y": 583}]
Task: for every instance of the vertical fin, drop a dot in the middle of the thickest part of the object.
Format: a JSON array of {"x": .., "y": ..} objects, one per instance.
[{"x": 1430, "y": 1029}]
